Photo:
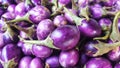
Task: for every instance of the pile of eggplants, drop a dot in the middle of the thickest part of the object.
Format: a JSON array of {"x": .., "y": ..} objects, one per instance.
[{"x": 59, "y": 33}]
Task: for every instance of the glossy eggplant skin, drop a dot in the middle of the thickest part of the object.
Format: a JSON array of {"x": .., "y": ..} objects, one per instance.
[
  {"x": 53, "y": 62},
  {"x": 36, "y": 63},
  {"x": 117, "y": 65},
  {"x": 65, "y": 37},
  {"x": 44, "y": 28},
  {"x": 39, "y": 13},
  {"x": 25, "y": 62},
  {"x": 114, "y": 55},
  {"x": 11, "y": 51},
  {"x": 90, "y": 28},
  {"x": 60, "y": 20},
  {"x": 2, "y": 10},
  {"x": 41, "y": 51},
  {"x": 69, "y": 58},
  {"x": 98, "y": 63}
]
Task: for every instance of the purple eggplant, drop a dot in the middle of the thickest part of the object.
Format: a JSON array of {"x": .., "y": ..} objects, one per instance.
[
  {"x": 25, "y": 62},
  {"x": 23, "y": 7},
  {"x": 114, "y": 55},
  {"x": 44, "y": 28},
  {"x": 39, "y": 13},
  {"x": 41, "y": 51},
  {"x": 27, "y": 49},
  {"x": 8, "y": 16},
  {"x": 35, "y": 15},
  {"x": 90, "y": 28},
  {"x": 96, "y": 11},
  {"x": 53, "y": 62},
  {"x": 11, "y": 55},
  {"x": 10, "y": 37},
  {"x": 98, "y": 63},
  {"x": 65, "y": 37},
  {"x": 11, "y": 51},
  {"x": 83, "y": 58},
  {"x": 11, "y": 8},
  {"x": 105, "y": 23},
  {"x": 116, "y": 5},
  {"x": 60, "y": 20},
  {"x": 36, "y": 63},
  {"x": 117, "y": 65},
  {"x": 69, "y": 58},
  {"x": 20, "y": 9},
  {"x": 89, "y": 48}
]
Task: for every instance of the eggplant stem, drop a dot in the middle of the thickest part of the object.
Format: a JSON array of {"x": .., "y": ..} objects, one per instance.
[
  {"x": 59, "y": 10},
  {"x": 24, "y": 18},
  {"x": 105, "y": 47},
  {"x": 28, "y": 2},
  {"x": 29, "y": 31},
  {"x": 74, "y": 6},
  {"x": 115, "y": 34},
  {"x": 104, "y": 37},
  {"x": 47, "y": 42},
  {"x": 10, "y": 64},
  {"x": 76, "y": 19}
]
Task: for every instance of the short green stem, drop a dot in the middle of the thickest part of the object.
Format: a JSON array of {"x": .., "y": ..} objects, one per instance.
[
  {"x": 104, "y": 48},
  {"x": 107, "y": 34},
  {"x": 28, "y": 2},
  {"x": 74, "y": 6},
  {"x": 110, "y": 13},
  {"x": 29, "y": 31},
  {"x": 10, "y": 32},
  {"x": 77, "y": 20},
  {"x": 24, "y": 18},
  {"x": 58, "y": 11},
  {"x": 115, "y": 34},
  {"x": 9, "y": 64},
  {"x": 47, "y": 42},
  {"x": 84, "y": 12},
  {"x": 55, "y": 2}
]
